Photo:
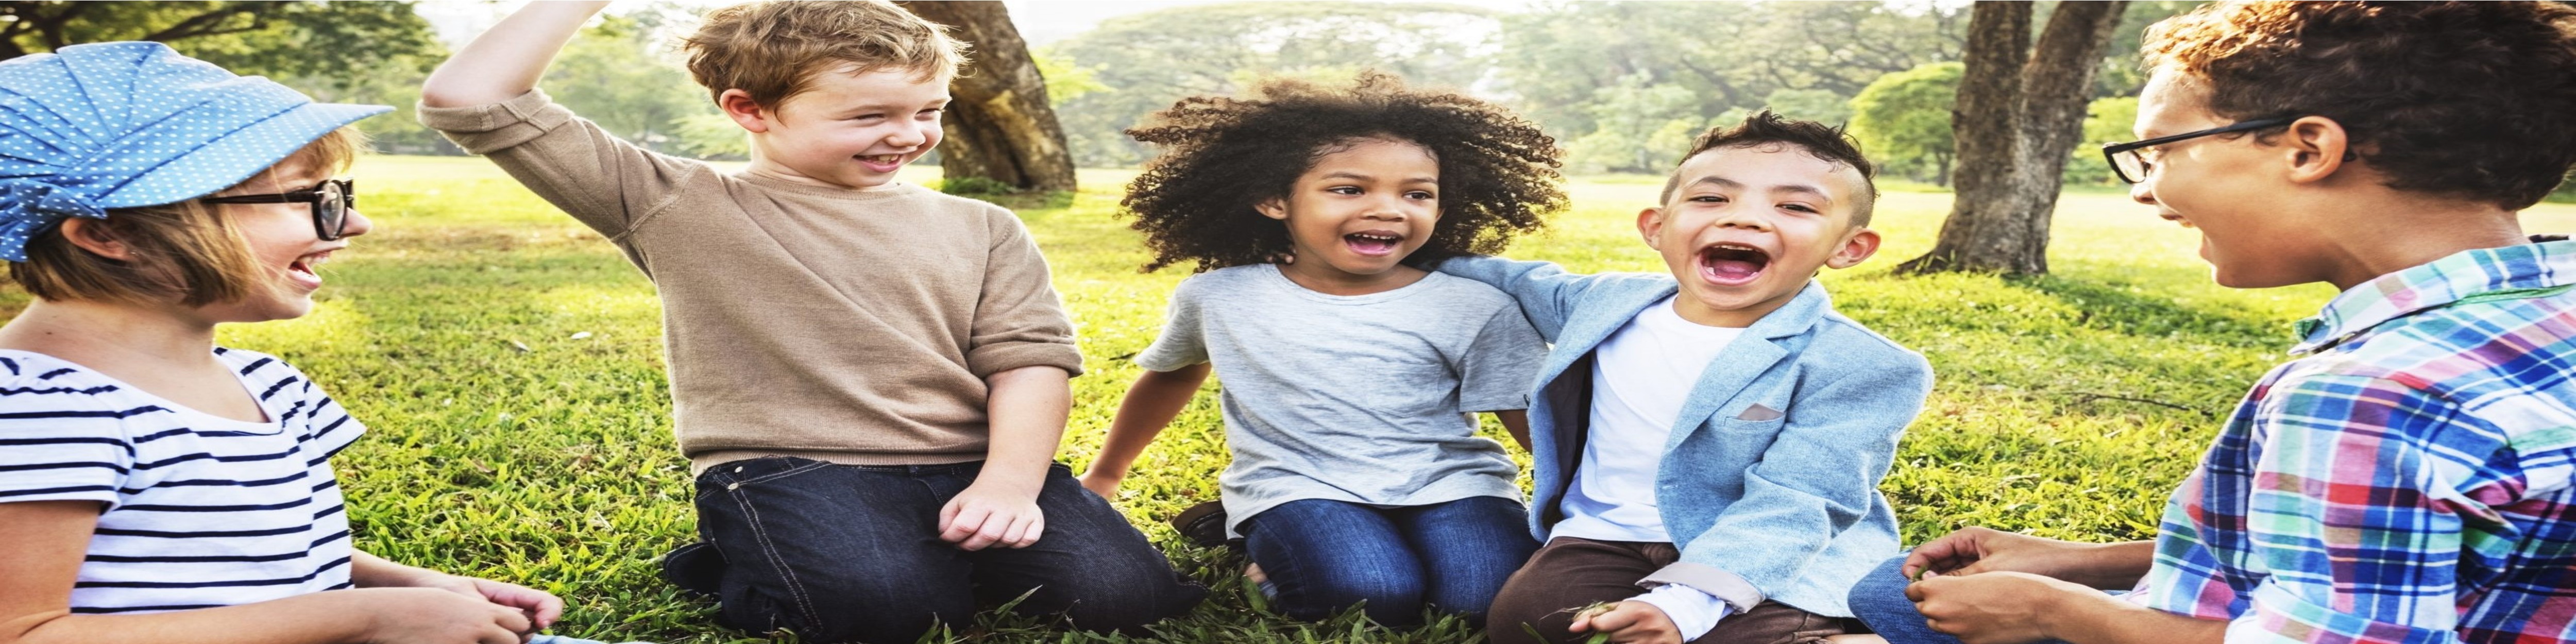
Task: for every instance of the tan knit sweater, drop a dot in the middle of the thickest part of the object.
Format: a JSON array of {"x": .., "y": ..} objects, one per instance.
[{"x": 841, "y": 325}]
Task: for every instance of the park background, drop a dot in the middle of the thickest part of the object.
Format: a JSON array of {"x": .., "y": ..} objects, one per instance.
[{"x": 509, "y": 362}]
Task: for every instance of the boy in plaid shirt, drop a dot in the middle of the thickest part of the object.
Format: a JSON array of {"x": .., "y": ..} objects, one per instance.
[{"x": 2407, "y": 477}]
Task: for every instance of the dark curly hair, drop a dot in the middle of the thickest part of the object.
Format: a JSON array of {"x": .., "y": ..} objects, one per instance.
[
  {"x": 2457, "y": 98},
  {"x": 1221, "y": 156}
]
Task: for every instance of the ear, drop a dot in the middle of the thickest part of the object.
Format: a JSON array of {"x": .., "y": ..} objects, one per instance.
[
  {"x": 1274, "y": 208},
  {"x": 94, "y": 236},
  {"x": 1857, "y": 246},
  {"x": 1650, "y": 224},
  {"x": 2316, "y": 148},
  {"x": 744, "y": 111}
]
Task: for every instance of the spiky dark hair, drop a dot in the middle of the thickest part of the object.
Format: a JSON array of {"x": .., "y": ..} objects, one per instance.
[{"x": 1763, "y": 128}]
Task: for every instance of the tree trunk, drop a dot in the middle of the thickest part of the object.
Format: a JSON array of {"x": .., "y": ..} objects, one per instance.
[
  {"x": 999, "y": 125},
  {"x": 2019, "y": 115}
]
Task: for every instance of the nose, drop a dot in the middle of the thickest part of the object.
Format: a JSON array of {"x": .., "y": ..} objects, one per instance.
[
  {"x": 1740, "y": 218},
  {"x": 2143, "y": 192},
  {"x": 1387, "y": 207},
  {"x": 356, "y": 225},
  {"x": 905, "y": 137}
]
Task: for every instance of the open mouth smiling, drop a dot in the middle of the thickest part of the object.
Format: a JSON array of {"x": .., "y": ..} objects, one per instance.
[
  {"x": 1731, "y": 264},
  {"x": 1373, "y": 243},
  {"x": 305, "y": 269},
  {"x": 881, "y": 162}
]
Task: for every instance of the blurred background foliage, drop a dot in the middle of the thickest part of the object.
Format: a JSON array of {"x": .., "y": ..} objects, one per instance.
[{"x": 1622, "y": 85}]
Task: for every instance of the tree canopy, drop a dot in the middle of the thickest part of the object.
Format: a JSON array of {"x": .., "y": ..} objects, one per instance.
[
  {"x": 277, "y": 39},
  {"x": 1903, "y": 119},
  {"x": 1143, "y": 62}
]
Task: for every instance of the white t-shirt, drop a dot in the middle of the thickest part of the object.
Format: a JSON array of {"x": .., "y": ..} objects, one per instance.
[
  {"x": 197, "y": 511},
  {"x": 1640, "y": 378}
]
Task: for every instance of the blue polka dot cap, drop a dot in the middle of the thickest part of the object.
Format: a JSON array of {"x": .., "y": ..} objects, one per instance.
[{"x": 127, "y": 124}]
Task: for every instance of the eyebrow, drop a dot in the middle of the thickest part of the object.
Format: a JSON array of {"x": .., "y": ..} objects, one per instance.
[
  {"x": 1731, "y": 184},
  {"x": 888, "y": 107},
  {"x": 1346, "y": 174}
]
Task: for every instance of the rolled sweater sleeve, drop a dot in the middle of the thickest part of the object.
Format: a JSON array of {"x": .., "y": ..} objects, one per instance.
[
  {"x": 1019, "y": 320},
  {"x": 611, "y": 185}
]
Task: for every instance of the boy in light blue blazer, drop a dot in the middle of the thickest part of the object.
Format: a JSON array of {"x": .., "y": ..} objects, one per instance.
[{"x": 1708, "y": 443}]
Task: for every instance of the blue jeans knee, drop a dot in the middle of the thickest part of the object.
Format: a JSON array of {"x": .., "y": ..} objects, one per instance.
[{"x": 1325, "y": 556}]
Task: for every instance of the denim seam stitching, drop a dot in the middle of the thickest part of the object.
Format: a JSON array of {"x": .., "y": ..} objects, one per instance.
[
  {"x": 800, "y": 469},
  {"x": 759, "y": 535}
]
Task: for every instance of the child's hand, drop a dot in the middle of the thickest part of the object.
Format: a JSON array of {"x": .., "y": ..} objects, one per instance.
[
  {"x": 1977, "y": 550},
  {"x": 1629, "y": 622},
  {"x": 1105, "y": 485},
  {"x": 985, "y": 515},
  {"x": 437, "y": 616},
  {"x": 1995, "y": 607},
  {"x": 540, "y": 607}
]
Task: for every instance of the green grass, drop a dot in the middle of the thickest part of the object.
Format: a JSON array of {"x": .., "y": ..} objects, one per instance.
[{"x": 509, "y": 364}]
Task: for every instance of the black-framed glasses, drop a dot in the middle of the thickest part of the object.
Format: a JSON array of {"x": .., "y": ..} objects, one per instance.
[
  {"x": 331, "y": 203},
  {"x": 2129, "y": 160}
]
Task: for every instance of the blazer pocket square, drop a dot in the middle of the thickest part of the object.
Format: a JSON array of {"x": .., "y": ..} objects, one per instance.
[{"x": 1758, "y": 413}]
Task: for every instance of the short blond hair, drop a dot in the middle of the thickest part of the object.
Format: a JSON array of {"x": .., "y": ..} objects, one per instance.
[
  {"x": 771, "y": 50},
  {"x": 186, "y": 252}
]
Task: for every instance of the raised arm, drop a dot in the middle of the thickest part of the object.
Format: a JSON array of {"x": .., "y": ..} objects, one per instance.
[{"x": 506, "y": 60}]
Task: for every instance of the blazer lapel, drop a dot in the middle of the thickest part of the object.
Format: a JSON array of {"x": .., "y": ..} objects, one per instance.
[{"x": 1746, "y": 359}]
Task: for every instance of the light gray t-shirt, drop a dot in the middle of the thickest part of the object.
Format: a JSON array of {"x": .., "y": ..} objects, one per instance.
[{"x": 1359, "y": 398}]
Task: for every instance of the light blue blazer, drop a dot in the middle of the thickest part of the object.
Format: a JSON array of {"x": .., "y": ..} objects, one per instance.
[{"x": 1783, "y": 508}]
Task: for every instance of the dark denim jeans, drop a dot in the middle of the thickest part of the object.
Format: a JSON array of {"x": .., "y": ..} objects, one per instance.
[
  {"x": 1324, "y": 556},
  {"x": 1879, "y": 601},
  {"x": 844, "y": 553}
]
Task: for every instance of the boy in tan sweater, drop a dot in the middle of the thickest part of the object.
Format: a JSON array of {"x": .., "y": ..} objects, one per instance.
[{"x": 869, "y": 378}]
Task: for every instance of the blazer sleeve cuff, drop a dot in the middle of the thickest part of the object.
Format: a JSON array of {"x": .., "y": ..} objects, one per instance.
[{"x": 1717, "y": 582}]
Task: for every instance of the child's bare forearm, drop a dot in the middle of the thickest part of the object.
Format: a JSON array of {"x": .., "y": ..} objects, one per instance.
[
  {"x": 1150, "y": 405},
  {"x": 317, "y": 618},
  {"x": 370, "y": 571},
  {"x": 2094, "y": 618},
  {"x": 506, "y": 60},
  {"x": 1026, "y": 410}
]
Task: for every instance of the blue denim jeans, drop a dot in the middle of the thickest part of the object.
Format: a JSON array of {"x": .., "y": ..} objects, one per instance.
[
  {"x": 846, "y": 553},
  {"x": 1324, "y": 556},
  {"x": 1879, "y": 601}
]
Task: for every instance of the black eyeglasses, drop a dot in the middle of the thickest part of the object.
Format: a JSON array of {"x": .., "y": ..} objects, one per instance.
[
  {"x": 331, "y": 203},
  {"x": 2130, "y": 162}
]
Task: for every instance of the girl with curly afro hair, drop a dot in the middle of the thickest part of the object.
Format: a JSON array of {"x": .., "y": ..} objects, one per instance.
[{"x": 1352, "y": 375}]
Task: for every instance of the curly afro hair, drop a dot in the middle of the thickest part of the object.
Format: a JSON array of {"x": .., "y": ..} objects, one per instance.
[
  {"x": 2470, "y": 99},
  {"x": 1221, "y": 156}
]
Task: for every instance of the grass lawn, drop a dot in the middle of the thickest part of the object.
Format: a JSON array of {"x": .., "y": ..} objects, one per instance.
[{"x": 509, "y": 365}]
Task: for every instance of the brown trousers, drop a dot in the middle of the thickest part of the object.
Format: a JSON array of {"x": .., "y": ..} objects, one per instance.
[{"x": 1571, "y": 573}]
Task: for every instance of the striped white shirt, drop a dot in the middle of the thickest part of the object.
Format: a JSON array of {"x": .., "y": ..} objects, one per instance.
[{"x": 199, "y": 511}]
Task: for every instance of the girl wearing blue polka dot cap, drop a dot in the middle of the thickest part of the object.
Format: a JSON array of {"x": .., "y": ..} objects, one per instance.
[{"x": 155, "y": 487}]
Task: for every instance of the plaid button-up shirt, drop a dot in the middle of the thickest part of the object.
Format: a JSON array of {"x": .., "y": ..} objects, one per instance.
[{"x": 2406, "y": 479}]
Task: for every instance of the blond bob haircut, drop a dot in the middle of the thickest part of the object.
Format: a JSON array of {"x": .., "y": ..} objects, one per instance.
[
  {"x": 184, "y": 252},
  {"x": 772, "y": 50}
]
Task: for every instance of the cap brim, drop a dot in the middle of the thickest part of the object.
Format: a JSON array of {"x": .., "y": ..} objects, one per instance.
[{"x": 237, "y": 156}]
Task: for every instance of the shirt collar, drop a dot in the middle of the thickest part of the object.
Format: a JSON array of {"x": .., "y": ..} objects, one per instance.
[{"x": 2463, "y": 275}]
